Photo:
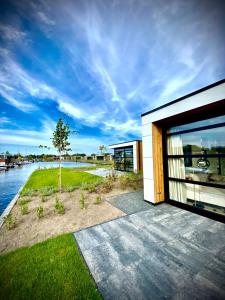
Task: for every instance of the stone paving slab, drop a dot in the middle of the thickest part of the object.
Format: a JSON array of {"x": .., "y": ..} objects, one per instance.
[
  {"x": 130, "y": 203},
  {"x": 160, "y": 253}
]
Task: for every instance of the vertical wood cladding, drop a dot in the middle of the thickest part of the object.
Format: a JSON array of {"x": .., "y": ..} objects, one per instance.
[{"x": 157, "y": 148}]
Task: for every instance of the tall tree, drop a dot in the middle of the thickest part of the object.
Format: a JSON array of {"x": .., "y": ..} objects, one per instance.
[{"x": 60, "y": 142}]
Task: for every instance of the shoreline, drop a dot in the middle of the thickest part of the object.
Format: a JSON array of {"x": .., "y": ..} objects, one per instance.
[{"x": 11, "y": 204}]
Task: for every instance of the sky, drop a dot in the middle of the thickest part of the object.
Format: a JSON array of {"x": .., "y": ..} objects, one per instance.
[{"x": 100, "y": 64}]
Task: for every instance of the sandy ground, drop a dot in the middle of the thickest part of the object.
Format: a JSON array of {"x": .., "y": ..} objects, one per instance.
[{"x": 30, "y": 230}]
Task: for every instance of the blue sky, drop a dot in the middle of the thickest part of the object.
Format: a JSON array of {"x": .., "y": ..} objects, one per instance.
[{"x": 100, "y": 64}]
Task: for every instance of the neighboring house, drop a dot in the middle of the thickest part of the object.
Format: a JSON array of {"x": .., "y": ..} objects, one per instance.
[
  {"x": 88, "y": 157},
  {"x": 184, "y": 151},
  {"x": 76, "y": 157},
  {"x": 99, "y": 157},
  {"x": 3, "y": 162},
  {"x": 109, "y": 157},
  {"x": 128, "y": 156}
]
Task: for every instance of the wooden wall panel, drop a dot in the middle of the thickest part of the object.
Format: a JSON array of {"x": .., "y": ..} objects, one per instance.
[
  {"x": 140, "y": 156},
  {"x": 157, "y": 148}
]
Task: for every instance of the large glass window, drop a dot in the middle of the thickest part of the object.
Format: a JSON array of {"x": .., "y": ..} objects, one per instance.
[
  {"x": 123, "y": 158},
  {"x": 196, "y": 164}
]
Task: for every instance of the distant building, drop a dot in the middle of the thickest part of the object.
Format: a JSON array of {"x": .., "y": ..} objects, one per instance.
[
  {"x": 128, "y": 156},
  {"x": 3, "y": 162}
]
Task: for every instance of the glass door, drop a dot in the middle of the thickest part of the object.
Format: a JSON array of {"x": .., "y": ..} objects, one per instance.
[{"x": 196, "y": 164}]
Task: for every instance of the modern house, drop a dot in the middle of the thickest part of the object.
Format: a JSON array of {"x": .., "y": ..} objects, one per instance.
[
  {"x": 184, "y": 151},
  {"x": 88, "y": 157},
  {"x": 128, "y": 156}
]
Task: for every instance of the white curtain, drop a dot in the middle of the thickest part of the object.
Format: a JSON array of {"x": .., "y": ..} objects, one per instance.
[{"x": 176, "y": 169}]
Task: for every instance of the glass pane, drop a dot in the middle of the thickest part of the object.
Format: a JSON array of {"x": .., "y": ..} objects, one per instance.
[
  {"x": 202, "y": 197},
  {"x": 123, "y": 158},
  {"x": 211, "y": 170},
  {"x": 198, "y": 124},
  {"x": 210, "y": 141}
]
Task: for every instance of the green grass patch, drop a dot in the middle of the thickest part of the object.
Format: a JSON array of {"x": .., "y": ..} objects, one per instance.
[
  {"x": 46, "y": 181},
  {"x": 53, "y": 269}
]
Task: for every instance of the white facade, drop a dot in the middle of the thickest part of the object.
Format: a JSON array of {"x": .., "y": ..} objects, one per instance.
[{"x": 197, "y": 100}]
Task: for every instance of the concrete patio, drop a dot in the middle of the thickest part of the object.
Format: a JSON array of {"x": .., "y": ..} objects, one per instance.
[{"x": 160, "y": 253}]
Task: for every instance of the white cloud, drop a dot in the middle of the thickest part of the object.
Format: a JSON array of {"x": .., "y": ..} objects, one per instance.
[
  {"x": 123, "y": 128},
  {"x": 46, "y": 20},
  {"x": 4, "y": 120},
  {"x": 11, "y": 33}
]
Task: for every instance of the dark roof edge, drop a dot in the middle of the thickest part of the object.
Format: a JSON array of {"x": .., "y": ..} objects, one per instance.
[
  {"x": 126, "y": 142},
  {"x": 184, "y": 97}
]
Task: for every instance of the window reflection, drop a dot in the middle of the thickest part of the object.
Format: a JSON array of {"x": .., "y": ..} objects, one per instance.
[
  {"x": 196, "y": 162},
  {"x": 198, "y": 124},
  {"x": 202, "y": 197},
  {"x": 123, "y": 158},
  {"x": 210, "y": 141}
]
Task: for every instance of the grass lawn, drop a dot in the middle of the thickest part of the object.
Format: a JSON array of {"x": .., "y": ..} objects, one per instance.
[
  {"x": 49, "y": 178},
  {"x": 53, "y": 269}
]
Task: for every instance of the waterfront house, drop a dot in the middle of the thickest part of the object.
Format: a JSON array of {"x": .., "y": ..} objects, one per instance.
[
  {"x": 128, "y": 156},
  {"x": 184, "y": 151}
]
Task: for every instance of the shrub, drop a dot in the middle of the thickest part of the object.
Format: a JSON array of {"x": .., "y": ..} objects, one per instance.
[
  {"x": 112, "y": 176},
  {"x": 98, "y": 200},
  {"x": 59, "y": 207},
  {"x": 123, "y": 182},
  {"x": 10, "y": 221},
  {"x": 132, "y": 180},
  {"x": 24, "y": 209},
  {"x": 107, "y": 185},
  {"x": 82, "y": 201},
  {"x": 40, "y": 212}
]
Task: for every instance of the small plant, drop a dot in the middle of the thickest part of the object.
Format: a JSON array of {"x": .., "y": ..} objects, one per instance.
[
  {"x": 10, "y": 221},
  {"x": 59, "y": 207},
  {"x": 47, "y": 190},
  {"x": 98, "y": 200},
  {"x": 28, "y": 192},
  {"x": 23, "y": 202},
  {"x": 24, "y": 209},
  {"x": 40, "y": 212},
  {"x": 69, "y": 188},
  {"x": 84, "y": 186},
  {"x": 82, "y": 201},
  {"x": 43, "y": 198}
]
